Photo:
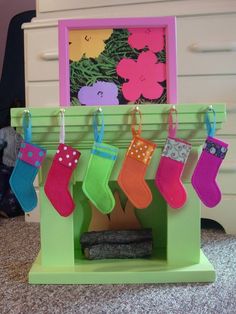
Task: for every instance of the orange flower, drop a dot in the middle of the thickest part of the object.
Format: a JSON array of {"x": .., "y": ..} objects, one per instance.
[{"x": 88, "y": 42}]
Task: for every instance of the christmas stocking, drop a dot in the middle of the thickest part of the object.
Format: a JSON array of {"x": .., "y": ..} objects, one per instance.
[
  {"x": 132, "y": 175},
  {"x": 100, "y": 165},
  {"x": 27, "y": 166},
  {"x": 169, "y": 172},
  {"x": 171, "y": 166},
  {"x": 58, "y": 178},
  {"x": 205, "y": 173}
]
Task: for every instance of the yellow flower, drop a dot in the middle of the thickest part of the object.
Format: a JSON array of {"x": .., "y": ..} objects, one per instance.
[{"x": 88, "y": 42}]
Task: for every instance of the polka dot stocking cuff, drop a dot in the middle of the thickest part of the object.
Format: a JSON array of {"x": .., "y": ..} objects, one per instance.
[
  {"x": 141, "y": 150},
  {"x": 67, "y": 156},
  {"x": 131, "y": 178},
  {"x": 32, "y": 154}
]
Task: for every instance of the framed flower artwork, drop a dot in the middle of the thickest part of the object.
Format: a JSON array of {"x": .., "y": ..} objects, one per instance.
[{"x": 117, "y": 61}]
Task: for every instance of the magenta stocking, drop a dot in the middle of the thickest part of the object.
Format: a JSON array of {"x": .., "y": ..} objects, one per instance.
[
  {"x": 171, "y": 165},
  {"x": 205, "y": 173},
  {"x": 169, "y": 172}
]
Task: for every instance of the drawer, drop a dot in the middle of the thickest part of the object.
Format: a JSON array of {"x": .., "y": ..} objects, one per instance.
[
  {"x": 224, "y": 213},
  {"x": 230, "y": 125},
  {"x": 211, "y": 89},
  {"x": 227, "y": 174},
  {"x": 61, "y": 5},
  {"x": 42, "y": 94},
  {"x": 230, "y": 157},
  {"x": 121, "y": 8},
  {"x": 206, "y": 44},
  {"x": 204, "y": 89},
  {"x": 227, "y": 177},
  {"x": 41, "y": 53}
]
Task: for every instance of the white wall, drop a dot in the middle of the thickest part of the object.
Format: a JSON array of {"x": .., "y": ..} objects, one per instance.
[{"x": 9, "y": 8}]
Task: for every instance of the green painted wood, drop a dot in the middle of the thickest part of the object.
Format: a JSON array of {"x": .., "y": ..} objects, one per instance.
[
  {"x": 117, "y": 119},
  {"x": 82, "y": 216},
  {"x": 183, "y": 231},
  {"x": 155, "y": 217},
  {"x": 57, "y": 235},
  {"x": 176, "y": 232},
  {"x": 132, "y": 271}
]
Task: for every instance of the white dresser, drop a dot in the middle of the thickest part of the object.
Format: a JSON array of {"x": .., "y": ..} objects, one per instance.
[{"x": 206, "y": 58}]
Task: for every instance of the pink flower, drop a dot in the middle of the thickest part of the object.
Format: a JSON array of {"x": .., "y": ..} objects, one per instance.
[
  {"x": 153, "y": 38},
  {"x": 143, "y": 75}
]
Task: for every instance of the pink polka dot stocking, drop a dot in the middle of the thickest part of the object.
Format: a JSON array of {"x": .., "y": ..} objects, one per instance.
[{"x": 58, "y": 178}]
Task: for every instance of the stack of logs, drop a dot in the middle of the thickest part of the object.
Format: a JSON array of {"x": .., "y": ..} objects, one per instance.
[{"x": 117, "y": 244}]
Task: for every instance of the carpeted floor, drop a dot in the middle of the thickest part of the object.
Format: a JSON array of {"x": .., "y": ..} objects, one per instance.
[{"x": 19, "y": 245}]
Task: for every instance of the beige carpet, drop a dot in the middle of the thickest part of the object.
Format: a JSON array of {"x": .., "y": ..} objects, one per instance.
[{"x": 19, "y": 245}]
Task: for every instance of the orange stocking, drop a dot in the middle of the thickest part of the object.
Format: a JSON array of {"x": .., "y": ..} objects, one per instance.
[{"x": 132, "y": 175}]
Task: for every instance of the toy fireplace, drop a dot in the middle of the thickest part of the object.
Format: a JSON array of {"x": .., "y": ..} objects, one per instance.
[{"x": 176, "y": 255}]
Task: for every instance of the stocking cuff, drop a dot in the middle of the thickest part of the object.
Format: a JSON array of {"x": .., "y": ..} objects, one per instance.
[
  {"x": 141, "y": 150},
  {"x": 176, "y": 149},
  {"x": 105, "y": 150},
  {"x": 32, "y": 154},
  {"x": 215, "y": 147},
  {"x": 67, "y": 156}
]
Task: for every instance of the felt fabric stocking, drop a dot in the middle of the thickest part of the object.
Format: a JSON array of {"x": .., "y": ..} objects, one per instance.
[
  {"x": 95, "y": 185},
  {"x": 205, "y": 173},
  {"x": 100, "y": 165},
  {"x": 27, "y": 166},
  {"x": 132, "y": 175},
  {"x": 58, "y": 178},
  {"x": 207, "y": 168},
  {"x": 171, "y": 166},
  {"x": 169, "y": 172}
]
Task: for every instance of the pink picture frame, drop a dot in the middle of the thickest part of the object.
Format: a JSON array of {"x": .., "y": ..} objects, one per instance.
[{"x": 166, "y": 23}]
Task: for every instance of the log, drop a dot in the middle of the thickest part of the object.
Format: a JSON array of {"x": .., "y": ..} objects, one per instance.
[
  {"x": 119, "y": 250},
  {"x": 88, "y": 239}
]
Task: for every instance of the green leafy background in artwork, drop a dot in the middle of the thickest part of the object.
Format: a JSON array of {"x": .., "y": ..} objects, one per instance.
[{"x": 87, "y": 71}]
